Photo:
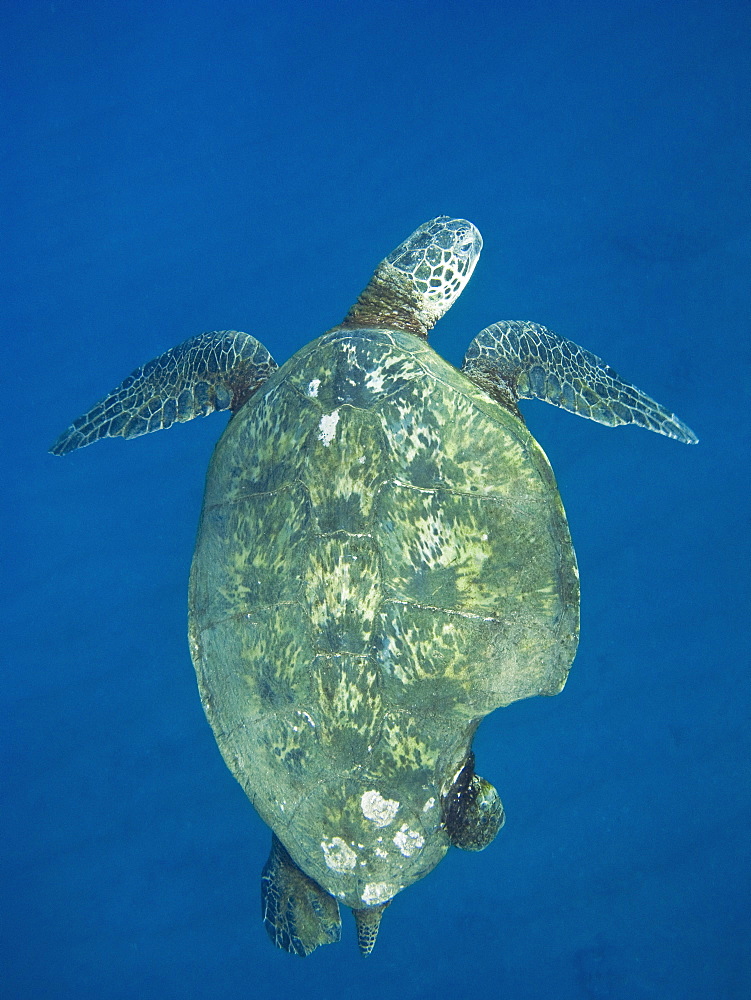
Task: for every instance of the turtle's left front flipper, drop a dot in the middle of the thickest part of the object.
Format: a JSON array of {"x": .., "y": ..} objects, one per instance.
[
  {"x": 213, "y": 371},
  {"x": 518, "y": 360}
]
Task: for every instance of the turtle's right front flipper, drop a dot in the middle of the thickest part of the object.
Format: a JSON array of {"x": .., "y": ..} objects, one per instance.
[
  {"x": 213, "y": 371},
  {"x": 518, "y": 360}
]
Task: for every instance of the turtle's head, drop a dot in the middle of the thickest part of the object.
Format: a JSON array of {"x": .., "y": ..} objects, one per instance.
[
  {"x": 438, "y": 259},
  {"x": 420, "y": 280}
]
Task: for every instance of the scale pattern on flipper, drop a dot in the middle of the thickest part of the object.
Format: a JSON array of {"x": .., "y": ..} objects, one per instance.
[
  {"x": 213, "y": 371},
  {"x": 536, "y": 363},
  {"x": 298, "y": 915}
]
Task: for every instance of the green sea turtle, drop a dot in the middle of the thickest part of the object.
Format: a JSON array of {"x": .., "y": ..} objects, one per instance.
[{"x": 382, "y": 560}]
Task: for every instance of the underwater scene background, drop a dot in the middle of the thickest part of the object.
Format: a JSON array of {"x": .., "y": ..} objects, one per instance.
[{"x": 181, "y": 167}]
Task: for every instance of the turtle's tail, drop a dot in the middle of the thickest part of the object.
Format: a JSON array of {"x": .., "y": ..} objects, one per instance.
[{"x": 368, "y": 921}]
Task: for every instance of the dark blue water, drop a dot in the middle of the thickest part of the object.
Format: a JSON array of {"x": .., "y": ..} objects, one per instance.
[{"x": 173, "y": 168}]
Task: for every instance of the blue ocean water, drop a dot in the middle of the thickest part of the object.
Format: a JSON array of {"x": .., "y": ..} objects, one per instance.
[{"x": 179, "y": 167}]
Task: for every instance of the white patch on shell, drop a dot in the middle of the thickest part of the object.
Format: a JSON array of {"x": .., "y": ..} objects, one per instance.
[
  {"x": 313, "y": 387},
  {"x": 408, "y": 841},
  {"x": 378, "y": 810},
  {"x": 374, "y": 380},
  {"x": 378, "y": 892},
  {"x": 429, "y": 804},
  {"x": 339, "y": 857},
  {"x": 327, "y": 427}
]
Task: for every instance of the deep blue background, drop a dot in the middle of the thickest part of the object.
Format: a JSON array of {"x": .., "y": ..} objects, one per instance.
[{"x": 171, "y": 168}]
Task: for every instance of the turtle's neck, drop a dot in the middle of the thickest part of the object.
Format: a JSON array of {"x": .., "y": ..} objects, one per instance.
[{"x": 389, "y": 301}]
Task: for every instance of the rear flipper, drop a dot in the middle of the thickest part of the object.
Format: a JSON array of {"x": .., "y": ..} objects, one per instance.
[
  {"x": 472, "y": 809},
  {"x": 298, "y": 915},
  {"x": 213, "y": 371},
  {"x": 517, "y": 360}
]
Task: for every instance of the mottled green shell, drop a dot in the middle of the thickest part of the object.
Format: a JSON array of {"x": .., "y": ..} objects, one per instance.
[{"x": 382, "y": 560}]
